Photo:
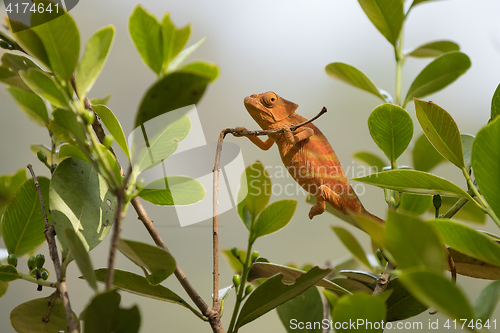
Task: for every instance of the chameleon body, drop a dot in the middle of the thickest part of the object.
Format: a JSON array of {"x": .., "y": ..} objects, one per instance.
[{"x": 305, "y": 152}]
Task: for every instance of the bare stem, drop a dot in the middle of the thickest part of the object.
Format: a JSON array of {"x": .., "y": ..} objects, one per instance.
[{"x": 51, "y": 241}]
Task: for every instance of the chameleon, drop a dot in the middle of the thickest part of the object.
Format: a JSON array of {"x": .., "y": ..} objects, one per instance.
[{"x": 305, "y": 152}]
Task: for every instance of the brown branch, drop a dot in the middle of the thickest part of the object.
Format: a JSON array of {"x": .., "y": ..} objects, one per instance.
[
  {"x": 215, "y": 222},
  {"x": 384, "y": 279},
  {"x": 51, "y": 241}
]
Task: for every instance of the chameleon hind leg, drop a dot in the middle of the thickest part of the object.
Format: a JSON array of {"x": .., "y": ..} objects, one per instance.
[{"x": 325, "y": 195}]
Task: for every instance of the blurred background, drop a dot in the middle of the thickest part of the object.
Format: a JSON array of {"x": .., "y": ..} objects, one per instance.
[{"x": 259, "y": 45}]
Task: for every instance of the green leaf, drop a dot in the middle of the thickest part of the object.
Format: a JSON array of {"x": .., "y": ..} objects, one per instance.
[
  {"x": 469, "y": 212},
  {"x": 100, "y": 101},
  {"x": 66, "y": 127},
  {"x": 81, "y": 200},
  {"x": 3, "y": 288},
  {"x": 23, "y": 223},
  {"x": 417, "y": 2},
  {"x": 467, "y": 240},
  {"x": 305, "y": 308},
  {"x": 266, "y": 270},
  {"x": 67, "y": 151},
  {"x": 495, "y": 103},
  {"x": 60, "y": 37},
  {"x": 372, "y": 227},
  {"x": 415, "y": 203},
  {"x": 352, "y": 308},
  {"x": 154, "y": 141},
  {"x": 202, "y": 68},
  {"x": 441, "y": 72},
  {"x": 145, "y": 31},
  {"x": 176, "y": 62},
  {"x": 31, "y": 317},
  {"x": 353, "y": 286},
  {"x": 32, "y": 105},
  {"x": 255, "y": 187},
  {"x": 156, "y": 260},
  {"x": 434, "y": 49},
  {"x": 425, "y": 156},
  {"x": 11, "y": 65},
  {"x": 104, "y": 315},
  {"x": 82, "y": 258},
  {"x": 172, "y": 92},
  {"x": 235, "y": 264},
  {"x": 113, "y": 126},
  {"x": 435, "y": 290},
  {"x": 391, "y": 128},
  {"x": 273, "y": 292},
  {"x": 9, "y": 184},
  {"x": 371, "y": 160},
  {"x": 173, "y": 191},
  {"x": 386, "y": 15},
  {"x": 138, "y": 285},
  {"x": 174, "y": 40},
  {"x": 486, "y": 163},
  {"x": 401, "y": 304},
  {"x": 468, "y": 266},
  {"x": 414, "y": 181},
  {"x": 467, "y": 141},
  {"x": 352, "y": 245},
  {"x": 441, "y": 130},
  {"x": 8, "y": 273},
  {"x": 274, "y": 217},
  {"x": 353, "y": 76},
  {"x": 29, "y": 41},
  {"x": 487, "y": 301},
  {"x": 96, "y": 52},
  {"x": 44, "y": 86},
  {"x": 414, "y": 243}
]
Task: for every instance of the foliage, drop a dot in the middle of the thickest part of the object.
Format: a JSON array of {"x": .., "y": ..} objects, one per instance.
[{"x": 89, "y": 191}]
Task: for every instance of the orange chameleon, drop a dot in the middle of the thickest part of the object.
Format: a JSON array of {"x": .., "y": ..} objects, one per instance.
[{"x": 306, "y": 153}]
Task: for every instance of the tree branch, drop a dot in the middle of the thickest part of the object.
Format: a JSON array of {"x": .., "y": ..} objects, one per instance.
[{"x": 51, "y": 241}]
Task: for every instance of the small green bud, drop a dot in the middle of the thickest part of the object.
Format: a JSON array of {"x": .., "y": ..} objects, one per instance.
[
  {"x": 437, "y": 201},
  {"x": 255, "y": 255},
  {"x": 45, "y": 275},
  {"x": 108, "y": 141},
  {"x": 31, "y": 263},
  {"x": 235, "y": 252},
  {"x": 236, "y": 280},
  {"x": 42, "y": 156},
  {"x": 39, "y": 260},
  {"x": 88, "y": 117},
  {"x": 380, "y": 257},
  {"x": 248, "y": 289},
  {"x": 12, "y": 260},
  {"x": 140, "y": 183}
]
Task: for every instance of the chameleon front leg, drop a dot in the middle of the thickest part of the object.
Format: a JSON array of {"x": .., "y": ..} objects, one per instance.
[
  {"x": 325, "y": 195},
  {"x": 264, "y": 145},
  {"x": 301, "y": 133}
]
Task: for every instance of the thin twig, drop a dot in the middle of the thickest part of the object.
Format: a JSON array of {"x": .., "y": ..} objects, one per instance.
[
  {"x": 384, "y": 279},
  {"x": 61, "y": 281},
  {"x": 216, "y": 170},
  {"x": 276, "y": 131}
]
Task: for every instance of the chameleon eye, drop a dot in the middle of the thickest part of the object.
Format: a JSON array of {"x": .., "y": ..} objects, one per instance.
[{"x": 269, "y": 99}]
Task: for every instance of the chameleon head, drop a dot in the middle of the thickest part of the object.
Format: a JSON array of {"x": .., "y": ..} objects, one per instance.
[{"x": 268, "y": 108}]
